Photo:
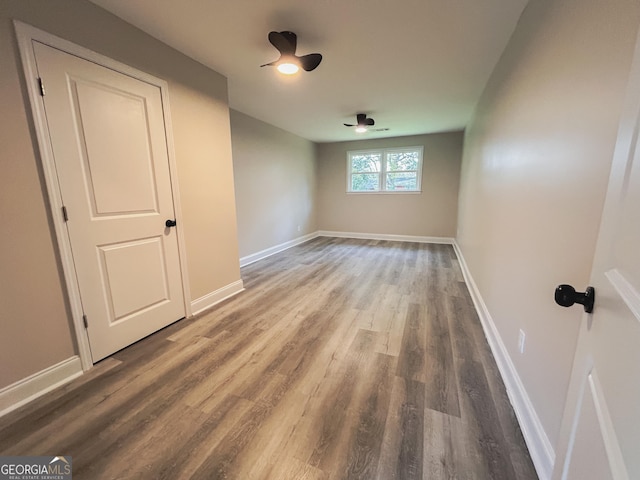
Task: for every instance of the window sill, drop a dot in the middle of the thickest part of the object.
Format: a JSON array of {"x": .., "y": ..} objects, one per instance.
[{"x": 396, "y": 192}]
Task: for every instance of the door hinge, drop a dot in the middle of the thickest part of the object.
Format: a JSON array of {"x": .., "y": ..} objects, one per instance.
[
  {"x": 85, "y": 321},
  {"x": 65, "y": 215},
  {"x": 41, "y": 85}
]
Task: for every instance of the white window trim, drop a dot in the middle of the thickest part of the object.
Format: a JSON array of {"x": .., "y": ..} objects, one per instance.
[{"x": 383, "y": 170}]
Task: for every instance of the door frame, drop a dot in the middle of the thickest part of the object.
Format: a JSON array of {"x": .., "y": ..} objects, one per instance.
[{"x": 26, "y": 34}]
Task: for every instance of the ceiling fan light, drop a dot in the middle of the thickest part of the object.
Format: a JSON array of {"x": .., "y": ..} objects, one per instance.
[
  {"x": 288, "y": 68},
  {"x": 361, "y": 129}
]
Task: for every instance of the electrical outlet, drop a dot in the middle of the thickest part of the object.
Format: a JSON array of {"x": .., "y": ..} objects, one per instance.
[
  {"x": 299, "y": 228},
  {"x": 521, "y": 337}
]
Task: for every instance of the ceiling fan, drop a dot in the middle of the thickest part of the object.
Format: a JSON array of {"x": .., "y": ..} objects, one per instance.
[
  {"x": 289, "y": 63},
  {"x": 363, "y": 124}
]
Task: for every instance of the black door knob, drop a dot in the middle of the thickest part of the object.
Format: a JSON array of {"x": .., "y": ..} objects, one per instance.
[
  {"x": 566, "y": 296},
  {"x": 170, "y": 223}
]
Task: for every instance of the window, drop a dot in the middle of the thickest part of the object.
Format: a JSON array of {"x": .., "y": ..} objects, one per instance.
[{"x": 392, "y": 170}]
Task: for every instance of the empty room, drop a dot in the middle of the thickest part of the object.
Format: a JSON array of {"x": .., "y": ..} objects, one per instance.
[{"x": 320, "y": 240}]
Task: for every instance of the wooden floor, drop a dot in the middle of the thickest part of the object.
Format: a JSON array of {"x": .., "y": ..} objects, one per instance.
[{"x": 342, "y": 359}]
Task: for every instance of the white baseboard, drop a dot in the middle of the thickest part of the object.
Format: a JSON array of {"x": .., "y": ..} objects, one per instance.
[
  {"x": 210, "y": 299},
  {"x": 540, "y": 448},
  {"x": 23, "y": 391},
  {"x": 386, "y": 236},
  {"x": 254, "y": 257},
  {"x": 267, "y": 252}
]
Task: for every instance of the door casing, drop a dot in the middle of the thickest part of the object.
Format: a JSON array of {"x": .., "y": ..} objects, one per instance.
[{"x": 26, "y": 34}]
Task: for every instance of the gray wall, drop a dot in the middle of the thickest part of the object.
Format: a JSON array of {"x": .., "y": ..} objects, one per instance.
[
  {"x": 431, "y": 213},
  {"x": 536, "y": 161},
  {"x": 275, "y": 181},
  {"x": 36, "y": 331}
]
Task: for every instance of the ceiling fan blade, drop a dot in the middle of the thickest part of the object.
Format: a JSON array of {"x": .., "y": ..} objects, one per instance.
[
  {"x": 291, "y": 38},
  {"x": 349, "y": 125},
  {"x": 285, "y": 42},
  {"x": 310, "y": 62},
  {"x": 361, "y": 117},
  {"x": 269, "y": 64},
  {"x": 369, "y": 121}
]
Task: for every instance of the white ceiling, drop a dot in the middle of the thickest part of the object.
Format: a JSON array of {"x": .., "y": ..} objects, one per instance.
[{"x": 415, "y": 66}]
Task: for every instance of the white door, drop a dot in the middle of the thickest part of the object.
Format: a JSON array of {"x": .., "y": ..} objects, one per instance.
[
  {"x": 600, "y": 437},
  {"x": 110, "y": 150}
]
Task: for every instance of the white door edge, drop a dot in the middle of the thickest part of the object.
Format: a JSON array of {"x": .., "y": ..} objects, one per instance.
[
  {"x": 26, "y": 34},
  {"x": 574, "y": 420}
]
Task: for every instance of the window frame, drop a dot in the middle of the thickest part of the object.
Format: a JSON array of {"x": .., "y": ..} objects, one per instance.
[{"x": 382, "y": 175}]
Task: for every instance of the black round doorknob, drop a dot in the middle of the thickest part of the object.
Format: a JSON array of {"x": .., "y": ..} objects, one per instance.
[
  {"x": 170, "y": 223},
  {"x": 566, "y": 296}
]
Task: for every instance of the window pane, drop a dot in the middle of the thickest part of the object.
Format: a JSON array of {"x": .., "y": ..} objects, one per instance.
[
  {"x": 365, "y": 162},
  {"x": 393, "y": 170},
  {"x": 365, "y": 182},
  {"x": 398, "y": 161},
  {"x": 402, "y": 181}
]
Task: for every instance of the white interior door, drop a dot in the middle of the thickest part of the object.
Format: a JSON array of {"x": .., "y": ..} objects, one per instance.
[
  {"x": 600, "y": 437},
  {"x": 110, "y": 149}
]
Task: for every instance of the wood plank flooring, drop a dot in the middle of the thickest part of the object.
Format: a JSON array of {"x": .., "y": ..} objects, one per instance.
[{"x": 343, "y": 359}]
